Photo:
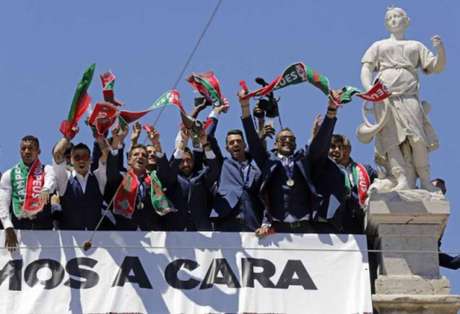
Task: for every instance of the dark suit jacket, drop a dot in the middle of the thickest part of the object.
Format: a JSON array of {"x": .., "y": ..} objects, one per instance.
[
  {"x": 143, "y": 218},
  {"x": 233, "y": 196},
  {"x": 315, "y": 175},
  {"x": 189, "y": 195}
]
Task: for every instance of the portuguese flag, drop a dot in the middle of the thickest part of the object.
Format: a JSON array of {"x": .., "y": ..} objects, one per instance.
[
  {"x": 171, "y": 97},
  {"x": 103, "y": 117},
  {"x": 108, "y": 84},
  {"x": 124, "y": 200},
  {"x": 80, "y": 104}
]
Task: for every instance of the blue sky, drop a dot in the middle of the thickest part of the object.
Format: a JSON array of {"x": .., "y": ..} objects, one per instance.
[{"x": 46, "y": 45}]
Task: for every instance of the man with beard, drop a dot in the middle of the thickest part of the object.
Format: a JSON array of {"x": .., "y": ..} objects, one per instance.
[
  {"x": 288, "y": 188},
  {"x": 24, "y": 193},
  {"x": 358, "y": 178},
  {"x": 188, "y": 186}
]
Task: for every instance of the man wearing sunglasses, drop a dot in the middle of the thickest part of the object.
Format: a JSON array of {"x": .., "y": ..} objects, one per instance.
[
  {"x": 80, "y": 189},
  {"x": 290, "y": 177}
]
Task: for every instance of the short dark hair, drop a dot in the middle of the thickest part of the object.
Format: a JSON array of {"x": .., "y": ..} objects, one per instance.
[
  {"x": 234, "y": 132},
  {"x": 189, "y": 151},
  {"x": 282, "y": 130},
  {"x": 136, "y": 147},
  {"x": 31, "y": 138},
  {"x": 340, "y": 139},
  {"x": 443, "y": 186},
  {"x": 80, "y": 146}
]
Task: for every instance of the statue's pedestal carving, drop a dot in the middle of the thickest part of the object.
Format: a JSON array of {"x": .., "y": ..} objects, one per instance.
[{"x": 407, "y": 225}]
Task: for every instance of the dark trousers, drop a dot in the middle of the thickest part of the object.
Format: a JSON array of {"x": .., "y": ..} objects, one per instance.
[
  {"x": 448, "y": 261},
  {"x": 32, "y": 224},
  {"x": 231, "y": 224},
  {"x": 302, "y": 226}
]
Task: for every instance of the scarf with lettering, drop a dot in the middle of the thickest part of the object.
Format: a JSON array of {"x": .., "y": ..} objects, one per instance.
[
  {"x": 27, "y": 185},
  {"x": 361, "y": 180},
  {"x": 124, "y": 202},
  {"x": 299, "y": 72}
]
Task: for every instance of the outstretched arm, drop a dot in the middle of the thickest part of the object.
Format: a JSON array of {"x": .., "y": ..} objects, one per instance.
[
  {"x": 256, "y": 147},
  {"x": 320, "y": 144}
]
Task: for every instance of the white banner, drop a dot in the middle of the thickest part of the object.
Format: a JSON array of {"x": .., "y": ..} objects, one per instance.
[{"x": 157, "y": 272}]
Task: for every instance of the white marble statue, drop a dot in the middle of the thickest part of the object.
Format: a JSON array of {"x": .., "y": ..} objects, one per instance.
[{"x": 406, "y": 137}]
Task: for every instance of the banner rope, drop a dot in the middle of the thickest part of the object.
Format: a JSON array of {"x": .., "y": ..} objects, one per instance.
[{"x": 192, "y": 53}]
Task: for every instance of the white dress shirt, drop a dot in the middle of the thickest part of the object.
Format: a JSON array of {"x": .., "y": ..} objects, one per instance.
[
  {"x": 63, "y": 175},
  {"x": 6, "y": 192}
]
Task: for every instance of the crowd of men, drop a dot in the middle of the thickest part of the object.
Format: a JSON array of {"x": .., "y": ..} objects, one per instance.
[{"x": 315, "y": 189}]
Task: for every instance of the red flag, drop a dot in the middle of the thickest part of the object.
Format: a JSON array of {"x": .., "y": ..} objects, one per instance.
[
  {"x": 103, "y": 117},
  {"x": 124, "y": 200}
]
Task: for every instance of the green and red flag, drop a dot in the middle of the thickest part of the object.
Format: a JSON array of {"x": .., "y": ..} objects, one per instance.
[
  {"x": 105, "y": 114},
  {"x": 160, "y": 202},
  {"x": 80, "y": 104},
  {"x": 124, "y": 200},
  {"x": 207, "y": 85},
  {"x": 108, "y": 84},
  {"x": 103, "y": 117},
  {"x": 171, "y": 97}
]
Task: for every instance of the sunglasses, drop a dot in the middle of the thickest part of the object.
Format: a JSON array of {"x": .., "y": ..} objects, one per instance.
[
  {"x": 79, "y": 157},
  {"x": 284, "y": 139}
]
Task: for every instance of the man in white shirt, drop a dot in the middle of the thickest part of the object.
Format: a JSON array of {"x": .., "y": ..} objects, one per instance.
[
  {"x": 81, "y": 190},
  {"x": 24, "y": 193}
]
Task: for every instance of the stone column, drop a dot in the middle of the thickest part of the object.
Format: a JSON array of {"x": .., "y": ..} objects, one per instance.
[{"x": 407, "y": 225}]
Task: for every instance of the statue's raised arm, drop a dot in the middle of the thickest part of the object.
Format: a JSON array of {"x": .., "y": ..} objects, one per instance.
[{"x": 403, "y": 134}]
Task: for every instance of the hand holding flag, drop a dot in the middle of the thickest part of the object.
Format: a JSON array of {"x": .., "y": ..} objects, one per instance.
[{"x": 80, "y": 104}]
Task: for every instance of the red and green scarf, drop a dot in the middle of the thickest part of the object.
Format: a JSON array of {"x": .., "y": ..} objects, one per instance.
[
  {"x": 361, "y": 180},
  {"x": 160, "y": 202},
  {"x": 299, "y": 72},
  {"x": 207, "y": 85},
  {"x": 124, "y": 202},
  {"x": 26, "y": 186}
]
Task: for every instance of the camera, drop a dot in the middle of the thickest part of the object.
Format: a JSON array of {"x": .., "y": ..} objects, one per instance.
[{"x": 267, "y": 105}]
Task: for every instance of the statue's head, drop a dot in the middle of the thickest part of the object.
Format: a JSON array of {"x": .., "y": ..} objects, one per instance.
[{"x": 396, "y": 20}]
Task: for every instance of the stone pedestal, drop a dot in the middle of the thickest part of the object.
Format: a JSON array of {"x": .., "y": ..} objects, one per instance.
[{"x": 407, "y": 225}]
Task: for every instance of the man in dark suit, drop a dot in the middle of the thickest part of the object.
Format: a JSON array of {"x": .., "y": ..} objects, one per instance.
[
  {"x": 188, "y": 186},
  {"x": 143, "y": 216},
  {"x": 290, "y": 177},
  {"x": 236, "y": 198},
  {"x": 358, "y": 178}
]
